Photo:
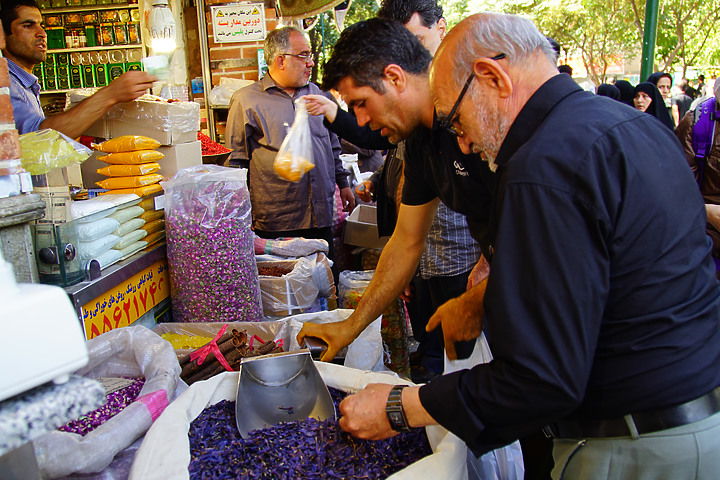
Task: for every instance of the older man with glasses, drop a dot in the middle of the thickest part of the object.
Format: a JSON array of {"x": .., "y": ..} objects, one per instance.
[
  {"x": 603, "y": 312},
  {"x": 259, "y": 118}
]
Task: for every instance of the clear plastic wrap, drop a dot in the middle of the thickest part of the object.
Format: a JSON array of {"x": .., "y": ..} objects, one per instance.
[
  {"x": 297, "y": 290},
  {"x": 213, "y": 276},
  {"x": 124, "y": 352},
  {"x": 295, "y": 156},
  {"x": 46, "y": 150},
  {"x": 89, "y": 231}
]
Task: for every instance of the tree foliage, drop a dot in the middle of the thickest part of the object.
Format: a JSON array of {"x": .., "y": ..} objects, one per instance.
[{"x": 604, "y": 31}]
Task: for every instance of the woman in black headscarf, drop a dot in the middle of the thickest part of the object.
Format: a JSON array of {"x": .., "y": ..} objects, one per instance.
[
  {"x": 649, "y": 100},
  {"x": 607, "y": 90},
  {"x": 627, "y": 92},
  {"x": 663, "y": 81}
]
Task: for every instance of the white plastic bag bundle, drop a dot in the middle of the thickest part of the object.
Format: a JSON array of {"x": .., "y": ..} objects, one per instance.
[
  {"x": 504, "y": 463},
  {"x": 124, "y": 352}
]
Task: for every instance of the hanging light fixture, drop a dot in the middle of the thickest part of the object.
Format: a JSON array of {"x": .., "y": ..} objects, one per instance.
[{"x": 162, "y": 27}]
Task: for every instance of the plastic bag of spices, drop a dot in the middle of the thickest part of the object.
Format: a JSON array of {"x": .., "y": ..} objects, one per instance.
[
  {"x": 211, "y": 258},
  {"x": 295, "y": 156}
]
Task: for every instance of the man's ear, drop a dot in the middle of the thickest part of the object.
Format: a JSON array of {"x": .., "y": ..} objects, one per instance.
[
  {"x": 489, "y": 73},
  {"x": 395, "y": 76},
  {"x": 442, "y": 28}
]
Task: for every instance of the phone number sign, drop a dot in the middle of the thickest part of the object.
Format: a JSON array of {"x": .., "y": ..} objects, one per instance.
[{"x": 128, "y": 301}]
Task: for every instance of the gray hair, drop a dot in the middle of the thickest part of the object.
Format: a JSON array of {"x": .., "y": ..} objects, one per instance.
[
  {"x": 515, "y": 36},
  {"x": 277, "y": 42}
]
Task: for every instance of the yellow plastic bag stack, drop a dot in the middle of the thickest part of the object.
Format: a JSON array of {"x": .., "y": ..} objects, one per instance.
[
  {"x": 154, "y": 223},
  {"x": 132, "y": 165}
]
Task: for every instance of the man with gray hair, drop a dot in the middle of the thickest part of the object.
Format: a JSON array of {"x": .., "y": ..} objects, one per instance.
[
  {"x": 603, "y": 313},
  {"x": 259, "y": 118}
]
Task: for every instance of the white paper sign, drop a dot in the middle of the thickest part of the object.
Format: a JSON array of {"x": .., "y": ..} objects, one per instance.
[{"x": 238, "y": 22}]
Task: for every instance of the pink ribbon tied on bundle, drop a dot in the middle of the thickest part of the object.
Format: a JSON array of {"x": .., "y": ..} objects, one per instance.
[{"x": 201, "y": 353}]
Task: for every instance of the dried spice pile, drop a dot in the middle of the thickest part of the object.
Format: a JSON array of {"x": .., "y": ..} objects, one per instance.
[
  {"x": 209, "y": 147},
  {"x": 307, "y": 449},
  {"x": 116, "y": 403},
  {"x": 273, "y": 271}
]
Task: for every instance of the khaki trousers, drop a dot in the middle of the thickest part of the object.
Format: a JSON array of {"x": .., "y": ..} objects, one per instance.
[{"x": 682, "y": 453}]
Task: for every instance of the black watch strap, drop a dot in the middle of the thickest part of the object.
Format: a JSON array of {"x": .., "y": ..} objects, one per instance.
[{"x": 394, "y": 410}]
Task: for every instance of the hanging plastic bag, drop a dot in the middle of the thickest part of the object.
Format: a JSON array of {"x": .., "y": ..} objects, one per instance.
[
  {"x": 505, "y": 463},
  {"x": 295, "y": 156}
]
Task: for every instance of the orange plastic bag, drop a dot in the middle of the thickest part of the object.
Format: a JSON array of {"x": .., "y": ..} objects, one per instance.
[
  {"x": 132, "y": 158},
  {"x": 152, "y": 215},
  {"x": 128, "y": 170},
  {"x": 126, "y": 143},
  {"x": 147, "y": 204},
  {"x": 129, "y": 182},
  {"x": 139, "y": 191},
  {"x": 154, "y": 226},
  {"x": 154, "y": 237}
]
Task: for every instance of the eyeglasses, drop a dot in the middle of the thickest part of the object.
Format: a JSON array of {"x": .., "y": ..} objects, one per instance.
[
  {"x": 305, "y": 57},
  {"x": 448, "y": 122}
]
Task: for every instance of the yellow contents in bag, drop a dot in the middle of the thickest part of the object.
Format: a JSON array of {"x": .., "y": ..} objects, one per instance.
[
  {"x": 152, "y": 215},
  {"x": 129, "y": 170},
  {"x": 154, "y": 226},
  {"x": 127, "y": 143},
  {"x": 291, "y": 168},
  {"x": 154, "y": 237},
  {"x": 139, "y": 191},
  {"x": 132, "y": 158},
  {"x": 129, "y": 182}
]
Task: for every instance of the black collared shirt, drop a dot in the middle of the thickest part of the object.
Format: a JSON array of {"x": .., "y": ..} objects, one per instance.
[{"x": 602, "y": 299}]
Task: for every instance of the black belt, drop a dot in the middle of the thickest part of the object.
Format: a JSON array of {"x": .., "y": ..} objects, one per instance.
[{"x": 639, "y": 423}]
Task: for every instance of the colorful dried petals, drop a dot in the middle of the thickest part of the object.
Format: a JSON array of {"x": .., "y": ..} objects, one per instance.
[
  {"x": 307, "y": 449},
  {"x": 116, "y": 403}
]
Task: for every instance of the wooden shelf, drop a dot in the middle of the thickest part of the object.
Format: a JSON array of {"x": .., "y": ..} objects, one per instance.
[
  {"x": 93, "y": 49},
  {"x": 83, "y": 8}
]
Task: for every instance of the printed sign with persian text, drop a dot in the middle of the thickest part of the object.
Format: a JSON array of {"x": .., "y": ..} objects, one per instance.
[
  {"x": 122, "y": 305},
  {"x": 238, "y": 22}
]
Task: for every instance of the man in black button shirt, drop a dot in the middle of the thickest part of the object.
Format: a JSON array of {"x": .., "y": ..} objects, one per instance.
[{"x": 603, "y": 314}]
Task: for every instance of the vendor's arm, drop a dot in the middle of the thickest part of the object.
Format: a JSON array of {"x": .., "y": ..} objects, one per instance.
[
  {"x": 394, "y": 270},
  {"x": 345, "y": 125},
  {"x": 713, "y": 215},
  {"x": 461, "y": 318},
  {"x": 75, "y": 121},
  {"x": 363, "y": 414}
]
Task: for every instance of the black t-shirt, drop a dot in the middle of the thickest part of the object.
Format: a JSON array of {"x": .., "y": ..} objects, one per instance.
[{"x": 435, "y": 167}]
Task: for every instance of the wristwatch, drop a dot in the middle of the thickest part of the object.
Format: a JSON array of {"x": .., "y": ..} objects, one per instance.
[{"x": 394, "y": 410}]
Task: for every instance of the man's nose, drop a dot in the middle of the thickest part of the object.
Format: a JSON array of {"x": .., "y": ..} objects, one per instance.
[
  {"x": 362, "y": 118},
  {"x": 41, "y": 32}
]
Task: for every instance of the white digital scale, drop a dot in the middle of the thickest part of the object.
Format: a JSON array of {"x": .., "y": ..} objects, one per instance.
[{"x": 41, "y": 335}]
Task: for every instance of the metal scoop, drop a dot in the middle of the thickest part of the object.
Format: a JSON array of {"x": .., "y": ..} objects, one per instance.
[{"x": 280, "y": 387}]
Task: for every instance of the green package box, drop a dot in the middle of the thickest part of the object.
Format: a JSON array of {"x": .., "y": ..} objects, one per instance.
[
  {"x": 88, "y": 76},
  {"x": 62, "y": 58},
  {"x": 63, "y": 82},
  {"x": 130, "y": 66},
  {"x": 38, "y": 72},
  {"x": 51, "y": 83},
  {"x": 101, "y": 78},
  {"x": 50, "y": 59},
  {"x": 75, "y": 76},
  {"x": 55, "y": 37},
  {"x": 115, "y": 70},
  {"x": 48, "y": 71}
]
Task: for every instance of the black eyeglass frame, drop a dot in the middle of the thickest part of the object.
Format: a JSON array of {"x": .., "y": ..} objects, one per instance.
[{"x": 446, "y": 122}]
